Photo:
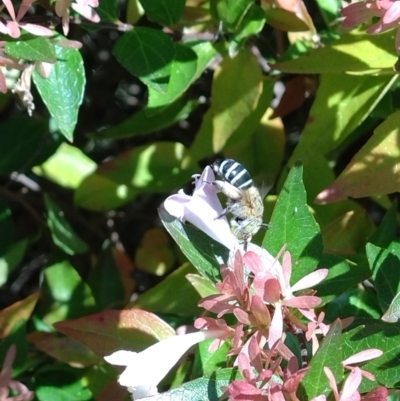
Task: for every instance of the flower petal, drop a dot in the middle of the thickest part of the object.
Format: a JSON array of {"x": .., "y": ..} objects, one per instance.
[
  {"x": 10, "y": 8},
  {"x": 303, "y": 302},
  {"x": 287, "y": 271},
  {"x": 203, "y": 209},
  {"x": 3, "y": 83},
  {"x": 121, "y": 358},
  {"x": 23, "y": 8},
  {"x": 86, "y": 11},
  {"x": 276, "y": 328},
  {"x": 175, "y": 205},
  {"x": 392, "y": 14},
  {"x": 332, "y": 382},
  {"x": 13, "y": 29},
  {"x": 353, "y": 381},
  {"x": 310, "y": 280},
  {"x": 146, "y": 369},
  {"x": 363, "y": 356},
  {"x": 37, "y": 30}
]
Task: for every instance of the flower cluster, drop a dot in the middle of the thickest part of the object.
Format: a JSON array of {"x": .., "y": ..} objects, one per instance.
[
  {"x": 255, "y": 306},
  {"x": 259, "y": 295},
  {"x": 387, "y": 12}
]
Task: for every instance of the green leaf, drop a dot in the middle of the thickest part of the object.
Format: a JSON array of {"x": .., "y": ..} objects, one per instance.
[
  {"x": 25, "y": 147},
  {"x": 205, "y": 52},
  {"x": 62, "y": 233},
  {"x": 329, "y": 354},
  {"x": 252, "y": 23},
  {"x": 105, "y": 280},
  {"x": 293, "y": 224},
  {"x": 111, "y": 330},
  {"x": 392, "y": 315},
  {"x": 102, "y": 193},
  {"x": 207, "y": 361},
  {"x": 231, "y": 12},
  {"x": 387, "y": 230},
  {"x": 153, "y": 168},
  {"x": 6, "y": 228},
  {"x": 68, "y": 166},
  {"x": 65, "y": 294},
  {"x": 12, "y": 258},
  {"x": 350, "y": 97},
  {"x": 31, "y": 48},
  {"x": 199, "y": 248},
  {"x": 359, "y": 302},
  {"x": 183, "y": 74},
  {"x": 346, "y": 234},
  {"x": 201, "y": 284},
  {"x": 60, "y": 383},
  {"x": 108, "y": 10},
  {"x": 373, "y": 170},
  {"x": 259, "y": 141},
  {"x": 18, "y": 338},
  {"x": 164, "y": 12},
  {"x": 386, "y": 276},
  {"x": 150, "y": 120},
  {"x": 207, "y": 388},
  {"x": 241, "y": 141},
  {"x": 343, "y": 275},
  {"x": 148, "y": 54},
  {"x": 355, "y": 52},
  {"x": 285, "y": 20},
  {"x": 329, "y": 10},
  {"x": 62, "y": 91},
  {"x": 376, "y": 334},
  {"x": 159, "y": 300},
  {"x": 236, "y": 91}
]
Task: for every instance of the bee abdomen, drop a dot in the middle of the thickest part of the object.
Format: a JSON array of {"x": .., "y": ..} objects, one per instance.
[{"x": 234, "y": 173}]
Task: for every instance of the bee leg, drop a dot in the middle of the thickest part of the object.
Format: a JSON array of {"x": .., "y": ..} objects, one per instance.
[{"x": 224, "y": 213}]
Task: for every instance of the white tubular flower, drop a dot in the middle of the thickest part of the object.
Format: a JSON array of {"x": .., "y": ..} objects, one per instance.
[
  {"x": 145, "y": 370},
  {"x": 203, "y": 209}
]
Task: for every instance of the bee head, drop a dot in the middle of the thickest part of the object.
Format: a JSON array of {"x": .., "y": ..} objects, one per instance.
[{"x": 244, "y": 229}]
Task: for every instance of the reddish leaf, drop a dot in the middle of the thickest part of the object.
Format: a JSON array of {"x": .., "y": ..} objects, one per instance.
[
  {"x": 293, "y": 97},
  {"x": 10, "y": 316},
  {"x": 64, "y": 349},
  {"x": 113, "y": 392},
  {"x": 112, "y": 330},
  {"x": 126, "y": 268}
]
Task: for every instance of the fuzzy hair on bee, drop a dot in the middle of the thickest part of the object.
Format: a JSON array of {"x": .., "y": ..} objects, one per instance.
[{"x": 244, "y": 200}]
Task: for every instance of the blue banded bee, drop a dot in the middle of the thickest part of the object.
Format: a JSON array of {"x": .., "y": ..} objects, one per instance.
[{"x": 244, "y": 199}]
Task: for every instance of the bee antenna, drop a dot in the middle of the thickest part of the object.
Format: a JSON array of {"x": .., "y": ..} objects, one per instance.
[{"x": 266, "y": 225}]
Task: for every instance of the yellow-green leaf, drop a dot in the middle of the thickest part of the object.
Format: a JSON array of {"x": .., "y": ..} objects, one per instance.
[{"x": 374, "y": 170}]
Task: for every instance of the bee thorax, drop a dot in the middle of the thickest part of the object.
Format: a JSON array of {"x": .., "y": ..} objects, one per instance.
[
  {"x": 244, "y": 201},
  {"x": 227, "y": 189}
]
